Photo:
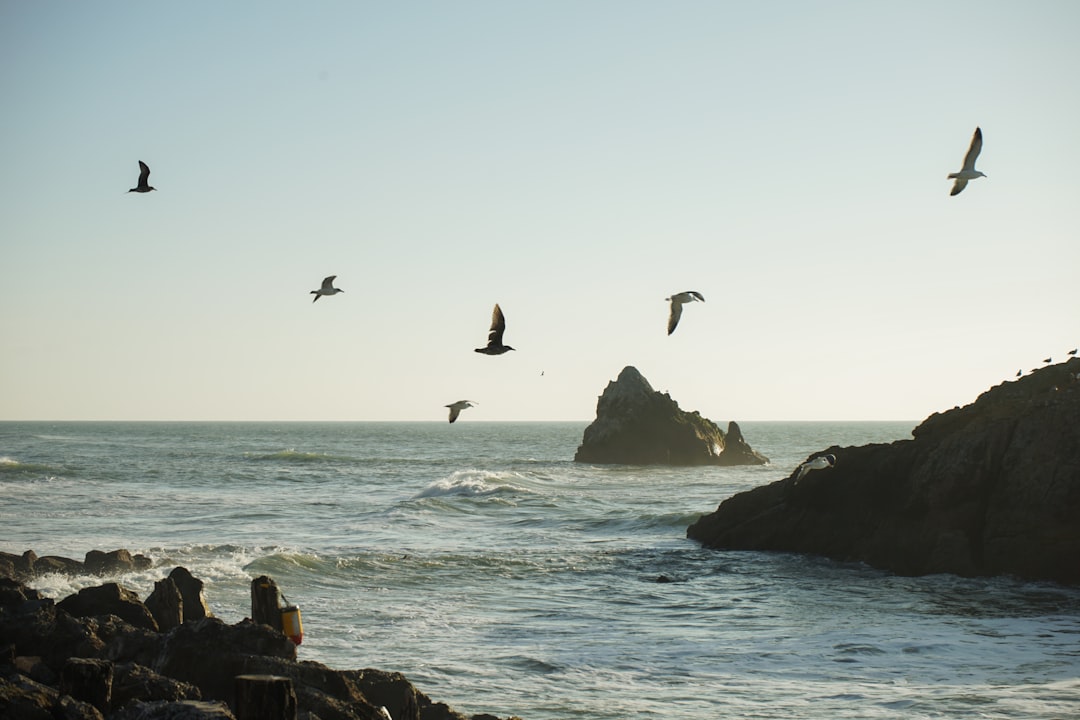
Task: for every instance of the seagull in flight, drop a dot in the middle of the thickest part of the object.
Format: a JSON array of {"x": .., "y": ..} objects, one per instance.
[
  {"x": 676, "y": 307},
  {"x": 495, "y": 335},
  {"x": 327, "y": 288},
  {"x": 456, "y": 408},
  {"x": 819, "y": 463},
  {"x": 968, "y": 172},
  {"x": 144, "y": 179}
]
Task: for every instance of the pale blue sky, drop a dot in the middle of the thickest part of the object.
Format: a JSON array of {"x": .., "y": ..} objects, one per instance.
[{"x": 576, "y": 162}]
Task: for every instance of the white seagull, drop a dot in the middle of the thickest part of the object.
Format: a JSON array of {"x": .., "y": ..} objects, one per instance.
[
  {"x": 968, "y": 172},
  {"x": 819, "y": 463},
  {"x": 676, "y": 307},
  {"x": 456, "y": 408},
  {"x": 327, "y": 288}
]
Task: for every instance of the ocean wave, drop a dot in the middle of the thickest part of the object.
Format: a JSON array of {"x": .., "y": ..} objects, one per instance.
[
  {"x": 473, "y": 483},
  {"x": 11, "y": 466},
  {"x": 295, "y": 456}
]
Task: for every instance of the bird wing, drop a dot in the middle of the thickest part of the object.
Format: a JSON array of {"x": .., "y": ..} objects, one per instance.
[
  {"x": 454, "y": 412},
  {"x": 144, "y": 173},
  {"x": 498, "y": 326},
  {"x": 974, "y": 150},
  {"x": 696, "y": 294},
  {"x": 328, "y": 283},
  {"x": 673, "y": 318},
  {"x": 959, "y": 185}
]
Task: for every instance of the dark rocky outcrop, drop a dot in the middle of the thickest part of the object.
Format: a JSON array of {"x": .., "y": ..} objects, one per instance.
[
  {"x": 636, "y": 425},
  {"x": 989, "y": 488},
  {"x": 28, "y": 566},
  {"x": 52, "y": 662}
]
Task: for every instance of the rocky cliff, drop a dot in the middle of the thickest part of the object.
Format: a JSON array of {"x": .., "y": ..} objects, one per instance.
[
  {"x": 636, "y": 425},
  {"x": 989, "y": 488}
]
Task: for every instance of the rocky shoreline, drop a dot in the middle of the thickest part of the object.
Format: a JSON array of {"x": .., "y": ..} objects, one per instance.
[
  {"x": 990, "y": 488},
  {"x": 103, "y": 654}
]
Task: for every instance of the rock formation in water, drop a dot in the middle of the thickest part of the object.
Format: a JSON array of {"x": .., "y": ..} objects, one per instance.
[
  {"x": 989, "y": 488},
  {"x": 636, "y": 425},
  {"x": 83, "y": 659}
]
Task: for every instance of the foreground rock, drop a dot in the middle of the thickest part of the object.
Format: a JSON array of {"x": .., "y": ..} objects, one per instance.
[
  {"x": 636, "y": 425},
  {"x": 986, "y": 489},
  {"x": 95, "y": 665}
]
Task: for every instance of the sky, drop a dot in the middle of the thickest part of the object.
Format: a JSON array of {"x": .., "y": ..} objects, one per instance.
[{"x": 575, "y": 162}]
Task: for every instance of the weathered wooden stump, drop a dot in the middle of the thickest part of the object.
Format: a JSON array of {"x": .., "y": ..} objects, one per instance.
[
  {"x": 264, "y": 697},
  {"x": 88, "y": 680},
  {"x": 265, "y": 603}
]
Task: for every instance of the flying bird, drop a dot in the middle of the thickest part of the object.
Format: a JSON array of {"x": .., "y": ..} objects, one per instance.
[
  {"x": 968, "y": 172},
  {"x": 144, "y": 179},
  {"x": 676, "y": 307},
  {"x": 819, "y": 463},
  {"x": 495, "y": 335},
  {"x": 327, "y": 288},
  {"x": 456, "y": 408}
]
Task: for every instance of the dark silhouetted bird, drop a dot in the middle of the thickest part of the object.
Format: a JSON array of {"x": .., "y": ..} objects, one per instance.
[
  {"x": 1046, "y": 360},
  {"x": 968, "y": 172},
  {"x": 677, "y": 302},
  {"x": 1073, "y": 351},
  {"x": 495, "y": 335},
  {"x": 144, "y": 179},
  {"x": 456, "y": 408},
  {"x": 327, "y": 288}
]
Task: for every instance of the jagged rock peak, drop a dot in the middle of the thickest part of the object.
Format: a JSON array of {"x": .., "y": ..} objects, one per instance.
[{"x": 637, "y": 425}]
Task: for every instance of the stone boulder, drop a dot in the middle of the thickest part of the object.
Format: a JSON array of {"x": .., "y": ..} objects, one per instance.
[
  {"x": 109, "y": 599},
  {"x": 986, "y": 489},
  {"x": 636, "y": 425}
]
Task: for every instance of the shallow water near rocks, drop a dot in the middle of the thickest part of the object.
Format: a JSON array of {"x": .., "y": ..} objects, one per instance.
[{"x": 501, "y": 577}]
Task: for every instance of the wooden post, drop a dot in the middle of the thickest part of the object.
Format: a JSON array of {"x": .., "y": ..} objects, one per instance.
[
  {"x": 88, "y": 680},
  {"x": 265, "y": 605},
  {"x": 265, "y": 697}
]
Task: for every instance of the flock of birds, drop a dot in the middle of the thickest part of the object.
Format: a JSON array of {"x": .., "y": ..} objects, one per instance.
[
  {"x": 1048, "y": 360},
  {"x": 495, "y": 345}
]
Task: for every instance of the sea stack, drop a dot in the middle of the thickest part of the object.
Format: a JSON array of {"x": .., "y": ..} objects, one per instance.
[{"x": 636, "y": 425}]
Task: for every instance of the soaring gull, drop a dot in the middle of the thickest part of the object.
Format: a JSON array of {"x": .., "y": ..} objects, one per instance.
[
  {"x": 968, "y": 172},
  {"x": 456, "y": 408},
  {"x": 327, "y": 288},
  {"x": 676, "y": 307},
  {"x": 819, "y": 463},
  {"x": 144, "y": 179},
  {"x": 495, "y": 335}
]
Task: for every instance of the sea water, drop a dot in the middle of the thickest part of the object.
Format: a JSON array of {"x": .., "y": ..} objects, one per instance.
[{"x": 499, "y": 576}]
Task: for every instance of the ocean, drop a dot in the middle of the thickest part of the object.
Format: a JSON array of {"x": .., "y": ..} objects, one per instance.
[{"x": 499, "y": 576}]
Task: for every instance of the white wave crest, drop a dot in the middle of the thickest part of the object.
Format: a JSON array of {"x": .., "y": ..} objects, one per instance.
[{"x": 470, "y": 483}]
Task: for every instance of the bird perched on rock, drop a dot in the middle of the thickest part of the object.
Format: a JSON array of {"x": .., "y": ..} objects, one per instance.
[
  {"x": 495, "y": 335},
  {"x": 677, "y": 302},
  {"x": 327, "y": 288},
  {"x": 968, "y": 172},
  {"x": 1049, "y": 359},
  {"x": 456, "y": 408},
  {"x": 821, "y": 462},
  {"x": 144, "y": 179},
  {"x": 1073, "y": 351}
]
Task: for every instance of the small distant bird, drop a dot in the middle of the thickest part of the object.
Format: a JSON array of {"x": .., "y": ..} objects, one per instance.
[
  {"x": 676, "y": 307},
  {"x": 968, "y": 172},
  {"x": 456, "y": 408},
  {"x": 1019, "y": 373},
  {"x": 327, "y": 288},
  {"x": 495, "y": 335},
  {"x": 1073, "y": 351},
  {"x": 1046, "y": 360},
  {"x": 144, "y": 179},
  {"x": 819, "y": 463}
]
